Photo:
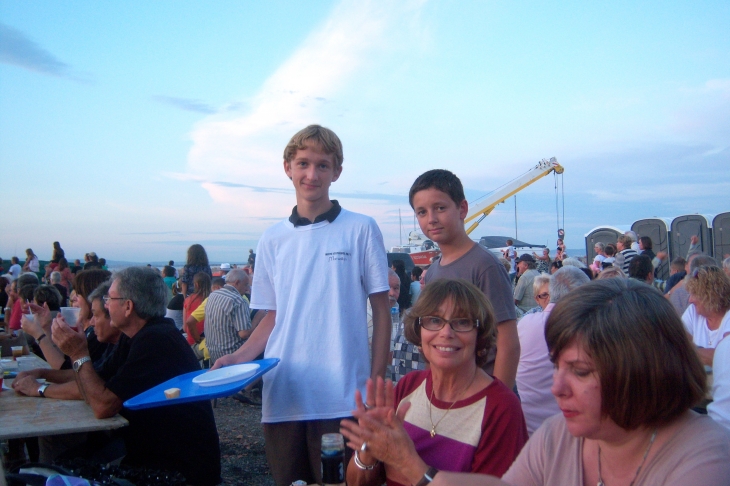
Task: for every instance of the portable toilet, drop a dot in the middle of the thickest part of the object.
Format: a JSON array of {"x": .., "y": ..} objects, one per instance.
[
  {"x": 658, "y": 230},
  {"x": 721, "y": 236},
  {"x": 601, "y": 234},
  {"x": 683, "y": 228}
]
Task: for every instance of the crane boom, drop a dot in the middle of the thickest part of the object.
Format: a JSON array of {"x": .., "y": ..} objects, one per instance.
[{"x": 483, "y": 208}]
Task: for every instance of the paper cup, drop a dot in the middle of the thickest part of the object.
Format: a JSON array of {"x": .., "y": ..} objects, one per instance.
[{"x": 17, "y": 351}]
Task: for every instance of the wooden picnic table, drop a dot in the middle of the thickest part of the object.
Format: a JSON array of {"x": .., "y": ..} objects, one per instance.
[{"x": 22, "y": 416}]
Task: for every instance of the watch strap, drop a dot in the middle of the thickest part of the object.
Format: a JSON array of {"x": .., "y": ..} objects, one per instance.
[
  {"x": 42, "y": 389},
  {"x": 427, "y": 476},
  {"x": 79, "y": 362}
]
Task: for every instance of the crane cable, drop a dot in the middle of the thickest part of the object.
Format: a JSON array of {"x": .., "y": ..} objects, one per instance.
[{"x": 559, "y": 195}]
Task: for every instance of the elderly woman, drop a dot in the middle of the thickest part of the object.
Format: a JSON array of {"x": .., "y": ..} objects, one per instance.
[
  {"x": 459, "y": 417},
  {"x": 625, "y": 378},
  {"x": 707, "y": 318}
]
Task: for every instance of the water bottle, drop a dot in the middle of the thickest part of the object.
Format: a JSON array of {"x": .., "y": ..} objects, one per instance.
[
  {"x": 395, "y": 324},
  {"x": 333, "y": 460}
]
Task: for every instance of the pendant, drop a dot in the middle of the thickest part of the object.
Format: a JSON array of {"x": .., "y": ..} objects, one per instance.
[
  {"x": 433, "y": 434},
  {"x": 600, "y": 483}
]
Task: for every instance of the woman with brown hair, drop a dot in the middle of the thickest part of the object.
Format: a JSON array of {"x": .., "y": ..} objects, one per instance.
[
  {"x": 459, "y": 417},
  {"x": 625, "y": 378},
  {"x": 197, "y": 262}
]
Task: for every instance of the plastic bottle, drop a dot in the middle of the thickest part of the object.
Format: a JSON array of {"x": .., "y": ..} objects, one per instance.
[
  {"x": 395, "y": 324},
  {"x": 333, "y": 460}
]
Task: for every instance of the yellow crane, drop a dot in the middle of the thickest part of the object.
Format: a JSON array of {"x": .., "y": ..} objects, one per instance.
[{"x": 482, "y": 208}]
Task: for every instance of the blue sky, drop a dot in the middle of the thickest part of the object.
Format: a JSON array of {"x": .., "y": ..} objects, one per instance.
[{"x": 135, "y": 129}]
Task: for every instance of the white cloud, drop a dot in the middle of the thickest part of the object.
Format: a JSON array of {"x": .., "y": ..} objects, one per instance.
[{"x": 303, "y": 90}]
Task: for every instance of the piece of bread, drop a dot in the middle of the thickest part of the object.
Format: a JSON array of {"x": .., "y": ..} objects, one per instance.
[{"x": 172, "y": 393}]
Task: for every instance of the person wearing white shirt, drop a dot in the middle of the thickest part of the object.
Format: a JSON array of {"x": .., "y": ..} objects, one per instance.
[{"x": 707, "y": 318}]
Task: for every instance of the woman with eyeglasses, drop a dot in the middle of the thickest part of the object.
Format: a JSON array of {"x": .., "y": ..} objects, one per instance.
[
  {"x": 707, "y": 318},
  {"x": 458, "y": 417},
  {"x": 625, "y": 378}
]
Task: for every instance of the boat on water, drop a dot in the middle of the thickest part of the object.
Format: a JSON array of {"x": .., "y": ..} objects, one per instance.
[{"x": 421, "y": 250}]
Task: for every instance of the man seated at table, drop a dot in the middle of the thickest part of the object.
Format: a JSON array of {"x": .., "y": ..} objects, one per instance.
[{"x": 179, "y": 438}]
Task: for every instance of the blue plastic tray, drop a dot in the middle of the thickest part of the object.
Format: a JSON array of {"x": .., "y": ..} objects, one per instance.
[{"x": 191, "y": 392}]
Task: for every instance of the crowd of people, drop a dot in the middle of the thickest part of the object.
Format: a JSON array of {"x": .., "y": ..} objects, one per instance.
[{"x": 525, "y": 369}]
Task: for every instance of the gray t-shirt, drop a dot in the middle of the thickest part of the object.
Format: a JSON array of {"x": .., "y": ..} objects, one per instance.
[{"x": 480, "y": 267}]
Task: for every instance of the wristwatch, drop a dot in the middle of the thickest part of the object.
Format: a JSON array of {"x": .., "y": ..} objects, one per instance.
[
  {"x": 427, "y": 476},
  {"x": 42, "y": 389},
  {"x": 79, "y": 362}
]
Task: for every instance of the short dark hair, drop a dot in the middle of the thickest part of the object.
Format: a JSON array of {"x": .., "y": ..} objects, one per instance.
[
  {"x": 610, "y": 250},
  {"x": 168, "y": 271},
  {"x": 145, "y": 288},
  {"x": 645, "y": 242},
  {"x": 26, "y": 291},
  {"x": 217, "y": 282},
  {"x": 28, "y": 279},
  {"x": 469, "y": 301},
  {"x": 440, "y": 179},
  {"x": 48, "y": 294},
  {"x": 640, "y": 267},
  {"x": 417, "y": 272},
  {"x": 649, "y": 371}
]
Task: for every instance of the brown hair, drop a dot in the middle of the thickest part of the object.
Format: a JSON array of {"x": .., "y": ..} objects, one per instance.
[
  {"x": 711, "y": 287},
  {"x": 201, "y": 284},
  {"x": 86, "y": 281},
  {"x": 322, "y": 137},
  {"x": 469, "y": 301},
  {"x": 648, "y": 368}
]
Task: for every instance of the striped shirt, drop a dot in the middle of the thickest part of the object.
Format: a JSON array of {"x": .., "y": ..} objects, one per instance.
[
  {"x": 226, "y": 313},
  {"x": 624, "y": 258}
]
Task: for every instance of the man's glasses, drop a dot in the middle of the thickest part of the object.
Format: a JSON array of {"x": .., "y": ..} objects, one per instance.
[
  {"x": 459, "y": 324},
  {"x": 543, "y": 295},
  {"x": 107, "y": 298}
]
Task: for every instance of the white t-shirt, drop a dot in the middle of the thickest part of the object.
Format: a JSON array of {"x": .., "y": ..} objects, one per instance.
[
  {"x": 512, "y": 256},
  {"x": 15, "y": 271},
  {"x": 535, "y": 370},
  {"x": 719, "y": 408},
  {"x": 702, "y": 336},
  {"x": 317, "y": 278}
]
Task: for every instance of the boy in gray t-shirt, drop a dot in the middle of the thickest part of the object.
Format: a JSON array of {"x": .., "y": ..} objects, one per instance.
[{"x": 437, "y": 197}]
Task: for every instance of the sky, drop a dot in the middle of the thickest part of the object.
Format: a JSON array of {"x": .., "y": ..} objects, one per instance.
[{"x": 135, "y": 129}]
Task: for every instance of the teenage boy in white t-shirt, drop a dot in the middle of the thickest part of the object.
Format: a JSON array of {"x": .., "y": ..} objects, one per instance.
[{"x": 314, "y": 274}]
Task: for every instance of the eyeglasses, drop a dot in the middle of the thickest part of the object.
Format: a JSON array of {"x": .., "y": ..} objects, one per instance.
[
  {"x": 543, "y": 295},
  {"x": 708, "y": 268},
  {"x": 107, "y": 298},
  {"x": 460, "y": 324}
]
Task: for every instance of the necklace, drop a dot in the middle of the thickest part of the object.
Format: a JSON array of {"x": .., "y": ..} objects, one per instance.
[
  {"x": 643, "y": 460},
  {"x": 433, "y": 426}
]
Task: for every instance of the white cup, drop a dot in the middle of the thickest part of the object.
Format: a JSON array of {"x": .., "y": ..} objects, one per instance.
[{"x": 70, "y": 315}]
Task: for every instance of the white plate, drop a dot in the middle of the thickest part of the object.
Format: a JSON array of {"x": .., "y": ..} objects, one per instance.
[{"x": 229, "y": 374}]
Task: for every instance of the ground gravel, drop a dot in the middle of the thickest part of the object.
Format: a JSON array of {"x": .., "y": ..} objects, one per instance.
[{"x": 243, "y": 460}]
